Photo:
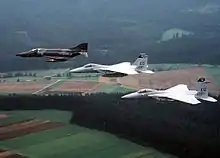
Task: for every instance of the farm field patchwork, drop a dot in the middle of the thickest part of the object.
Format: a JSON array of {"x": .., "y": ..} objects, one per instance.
[
  {"x": 23, "y": 87},
  {"x": 90, "y": 82},
  {"x": 66, "y": 140},
  {"x": 76, "y": 86}
]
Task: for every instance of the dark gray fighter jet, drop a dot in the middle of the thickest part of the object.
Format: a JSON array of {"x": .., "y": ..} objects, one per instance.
[{"x": 57, "y": 54}]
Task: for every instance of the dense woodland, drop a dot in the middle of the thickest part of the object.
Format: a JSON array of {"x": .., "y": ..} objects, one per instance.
[
  {"x": 171, "y": 127},
  {"x": 116, "y": 30}
]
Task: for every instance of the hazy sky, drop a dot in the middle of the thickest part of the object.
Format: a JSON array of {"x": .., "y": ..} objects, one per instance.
[{"x": 127, "y": 25}]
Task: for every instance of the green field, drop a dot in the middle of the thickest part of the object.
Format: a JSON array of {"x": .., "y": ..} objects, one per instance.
[
  {"x": 214, "y": 72},
  {"x": 105, "y": 88},
  {"x": 166, "y": 67},
  {"x": 53, "y": 115},
  {"x": 42, "y": 73},
  {"x": 24, "y": 78},
  {"x": 70, "y": 140}
]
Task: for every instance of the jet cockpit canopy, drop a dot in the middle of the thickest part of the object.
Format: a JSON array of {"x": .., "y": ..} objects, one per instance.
[{"x": 90, "y": 65}]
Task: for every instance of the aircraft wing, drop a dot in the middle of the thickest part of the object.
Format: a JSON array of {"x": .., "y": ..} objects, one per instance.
[
  {"x": 123, "y": 64},
  {"x": 190, "y": 99},
  {"x": 210, "y": 99},
  {"x": 178, "y": 88},
  {"x": 127, "y": 71}
]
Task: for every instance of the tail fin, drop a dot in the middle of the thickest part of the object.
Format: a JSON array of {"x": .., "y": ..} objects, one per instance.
[
  {"x": 81, "y": 48},
  {"x": 139, "y": 59},
  {"x": 202, "y": 87},
  {"x": 142, "y": 63}
]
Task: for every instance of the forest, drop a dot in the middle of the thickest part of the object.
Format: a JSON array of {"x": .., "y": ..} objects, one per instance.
[{"x": 172, "y": 127}]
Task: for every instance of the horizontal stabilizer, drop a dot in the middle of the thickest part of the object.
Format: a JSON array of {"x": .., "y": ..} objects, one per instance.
[
  {"x": 84, "y": 53},
  {"x": 210, "y": 99}
]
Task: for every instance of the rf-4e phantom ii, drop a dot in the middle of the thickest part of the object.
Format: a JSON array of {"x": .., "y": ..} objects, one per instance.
[
  {"x": 124, "y": 68},
  {"x": 179, "y": 92},
  {"x": 57, "y": 54}
]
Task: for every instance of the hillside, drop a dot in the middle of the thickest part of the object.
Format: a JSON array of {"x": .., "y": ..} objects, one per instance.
[{"x": 119, "y": 33}]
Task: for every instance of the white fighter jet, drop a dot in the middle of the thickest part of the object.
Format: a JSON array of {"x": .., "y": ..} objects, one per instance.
[
  {"x": 126, "y": 68},
  {"x": 179, "y": 92}
]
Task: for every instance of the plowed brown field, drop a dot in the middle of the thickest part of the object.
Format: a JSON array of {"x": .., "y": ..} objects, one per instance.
[
  {"x": 166, "y": 79},
  {"x": 9, "y": 154},
  {"x": 75, "y": 86},
  {"x": 27, "y": 127},
  {"x": 23, "y": 87},
  {"x": 3, "y": 116}
]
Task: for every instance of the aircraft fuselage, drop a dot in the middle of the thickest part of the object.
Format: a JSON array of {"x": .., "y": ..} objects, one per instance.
[
  {"x": 49, "y": 52},
  {"x": 57, "y": 54}
]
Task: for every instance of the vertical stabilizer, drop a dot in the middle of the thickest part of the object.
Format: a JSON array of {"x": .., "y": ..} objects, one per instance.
[
  {"x": 139, "y": 59},
  {"x": 202, "y": 88},
  {"x": 83, "y": 47},
  {"x": 142, "y": 64}
]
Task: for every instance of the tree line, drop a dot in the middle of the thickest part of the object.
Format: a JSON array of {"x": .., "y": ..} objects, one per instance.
[{"x": 172, "y": 127}]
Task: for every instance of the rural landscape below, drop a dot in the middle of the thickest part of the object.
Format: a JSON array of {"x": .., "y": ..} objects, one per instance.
[
  {"x": 38, "y": 122},
  {"x": 109, "y": 79}
]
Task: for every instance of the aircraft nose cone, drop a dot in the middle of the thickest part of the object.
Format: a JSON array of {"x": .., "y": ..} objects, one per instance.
[
  {"x": 21, "y": 54},
  {"x": 131, "y": 96},
  {"x": 75, "y": 70}
]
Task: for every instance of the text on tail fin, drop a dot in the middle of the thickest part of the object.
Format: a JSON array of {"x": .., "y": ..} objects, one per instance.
[
  {"x": 202, "y": 89},
  {"x": 142, "y": 65},
  {"x": 140, "y": 57}
]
